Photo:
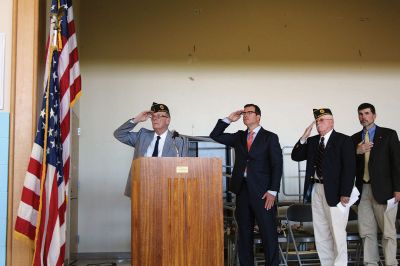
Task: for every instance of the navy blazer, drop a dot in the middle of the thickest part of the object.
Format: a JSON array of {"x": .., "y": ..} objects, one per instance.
[
  {"x": 264, "y": 160},
  {"x": 383, "y": 164},
  {"x": 338, "y": 165}
]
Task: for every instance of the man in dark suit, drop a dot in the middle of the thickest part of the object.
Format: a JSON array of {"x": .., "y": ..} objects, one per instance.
[
  {"x": 255, "y": 181},
  {"x": 159, "y": 142},
  {"x": 329, "y": 181},
  {"x": 378, "y": 180}
]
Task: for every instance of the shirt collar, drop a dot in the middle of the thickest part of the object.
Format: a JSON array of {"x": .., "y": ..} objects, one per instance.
[
  {"x": 327, "y": 136},
  {"x": 162, "y": 136},
  {"x": 254, "y": 130},
  {"x": 371, "y": 130},
  {"x": 371, "y": 133}
]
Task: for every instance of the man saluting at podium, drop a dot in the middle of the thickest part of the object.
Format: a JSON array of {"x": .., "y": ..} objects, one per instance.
[{"x": 159, "y": 142}]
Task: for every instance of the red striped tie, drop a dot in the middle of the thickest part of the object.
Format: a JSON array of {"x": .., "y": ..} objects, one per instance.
[{"x": 250, "y": 140}]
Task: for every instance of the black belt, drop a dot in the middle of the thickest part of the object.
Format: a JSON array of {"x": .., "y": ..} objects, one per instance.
[
  {"x": 369, "y": 182},
  {"x": 319, "y": 181}
]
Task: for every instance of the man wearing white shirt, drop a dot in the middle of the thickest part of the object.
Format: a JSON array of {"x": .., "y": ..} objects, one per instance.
[
  {"x": 255, "y": 180},
  {"x": 159, "y": 142},
  {"x": 329, "y": 180}
]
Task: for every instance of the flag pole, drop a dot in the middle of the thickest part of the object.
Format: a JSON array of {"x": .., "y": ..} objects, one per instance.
[{"x": 54, "y": 28}]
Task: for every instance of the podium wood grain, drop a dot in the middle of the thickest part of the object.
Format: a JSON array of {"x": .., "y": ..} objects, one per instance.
[{"x": 177, "y": 218}]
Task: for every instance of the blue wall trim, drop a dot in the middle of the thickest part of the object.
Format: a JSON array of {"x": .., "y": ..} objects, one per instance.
[{"x": 4, "y": 153}]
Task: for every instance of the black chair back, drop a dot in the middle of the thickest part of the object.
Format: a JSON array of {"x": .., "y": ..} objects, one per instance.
[{"x": 299, "y": 213}]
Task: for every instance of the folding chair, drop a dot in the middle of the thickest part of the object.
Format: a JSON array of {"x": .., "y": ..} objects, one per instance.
[
  {"x": 231, "y": 235},
  {"x": 232, "y": 249},
  {"x": 354, "y": 242},
  {"x": 299, "y": 238},
  {"x": 259, "y": 257}
]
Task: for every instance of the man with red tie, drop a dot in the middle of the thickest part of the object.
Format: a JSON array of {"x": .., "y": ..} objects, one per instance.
[{"x": 255, "y": 180}]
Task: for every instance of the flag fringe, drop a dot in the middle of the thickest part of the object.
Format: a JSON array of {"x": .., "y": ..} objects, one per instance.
[
  {"x": 77, "y": 96},
  {"x": 29, "y": 242}
]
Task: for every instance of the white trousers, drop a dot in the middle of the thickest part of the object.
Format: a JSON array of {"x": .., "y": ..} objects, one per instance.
[
  {"x": 329, "y": 229},
  {"x": 370, "y": 216}
]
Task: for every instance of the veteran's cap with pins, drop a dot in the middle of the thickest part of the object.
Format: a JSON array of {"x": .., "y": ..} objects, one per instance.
[
  {"x": 321, "y": 112},
  {"x": 159, "y": 107}
]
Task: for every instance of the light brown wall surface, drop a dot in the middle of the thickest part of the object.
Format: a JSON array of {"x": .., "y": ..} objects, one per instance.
[
  {"x": 23, "y": 90},
  {"x": 265, "y": 32}
]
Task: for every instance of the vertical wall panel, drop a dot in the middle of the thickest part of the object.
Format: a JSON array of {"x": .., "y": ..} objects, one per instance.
[{"x": 4, "y": 142}]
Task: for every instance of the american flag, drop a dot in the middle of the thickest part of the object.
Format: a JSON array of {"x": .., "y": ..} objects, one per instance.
[{"x": 42, "y": 212}]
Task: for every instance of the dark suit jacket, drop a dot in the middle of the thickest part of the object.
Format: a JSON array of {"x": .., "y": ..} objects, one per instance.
[
  {"x": 264, "y": 160},
  {"x": 338, "y": 165},
  {"x": 384, "y": 164}
]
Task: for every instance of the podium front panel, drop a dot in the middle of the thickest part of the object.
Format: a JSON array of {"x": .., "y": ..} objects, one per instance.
[{"x": 177, "y": 213}]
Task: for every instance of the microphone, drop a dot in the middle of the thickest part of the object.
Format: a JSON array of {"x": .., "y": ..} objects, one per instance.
[{"x": 175, "y": 135}]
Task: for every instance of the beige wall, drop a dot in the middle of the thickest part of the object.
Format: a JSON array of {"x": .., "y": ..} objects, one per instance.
[{"x": 205, "y": 59}]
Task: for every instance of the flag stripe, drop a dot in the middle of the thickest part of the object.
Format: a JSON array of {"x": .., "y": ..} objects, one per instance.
[
  {"x": 27, "y": 213},
  {"x": 74, "y": 73},
  {"x": 32, "y": 182},
  {"x": 65, "y": 104},
  {"x": 66, "y": 172},
  {"x": 65, "y": 127},
  {"x": 37, "y": 152},
  {"x": 38, "y": 253},
  {"x": 25, "y": 227},
  {"x": 31, "y": 199},
  {"x": 34, "y": 168},
  {"x": 75, "y": 88},
  {"x": 53, "y": 216}
]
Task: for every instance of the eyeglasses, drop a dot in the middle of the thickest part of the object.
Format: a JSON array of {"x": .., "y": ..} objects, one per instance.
[
  {"x": 321, "y": 120},
  {"x": 248, "y": 113},
  {"x": 158, "y": 116}
]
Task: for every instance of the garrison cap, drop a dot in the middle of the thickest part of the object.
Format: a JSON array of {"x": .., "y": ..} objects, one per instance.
[
  {"x": 320, "y": 112},
  {"x": 159, "y": 107}
]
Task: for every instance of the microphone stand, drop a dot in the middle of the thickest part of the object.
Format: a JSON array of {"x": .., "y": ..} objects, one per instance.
[{"x": 174, "y": 135}]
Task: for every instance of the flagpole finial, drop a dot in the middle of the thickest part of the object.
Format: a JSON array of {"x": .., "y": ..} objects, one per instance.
[
  {"x": 58, "y": 14},
  {"x": 55, "y": 19}
]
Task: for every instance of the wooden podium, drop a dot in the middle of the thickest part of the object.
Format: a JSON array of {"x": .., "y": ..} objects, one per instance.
[{"x": 177, "y": 213}]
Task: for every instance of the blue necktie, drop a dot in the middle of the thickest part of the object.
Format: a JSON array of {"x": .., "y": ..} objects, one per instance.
[{"x": 155, "y": 151}]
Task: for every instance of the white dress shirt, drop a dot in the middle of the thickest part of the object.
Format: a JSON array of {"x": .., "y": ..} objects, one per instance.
[{"x": 161, "y": 142}]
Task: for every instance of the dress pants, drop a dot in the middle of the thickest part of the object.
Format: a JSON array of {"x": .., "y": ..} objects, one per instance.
[
  {"x": 370, "y": 216},
  {"x": 250, "y": 207},
  {"x": 329, "y": 229}
]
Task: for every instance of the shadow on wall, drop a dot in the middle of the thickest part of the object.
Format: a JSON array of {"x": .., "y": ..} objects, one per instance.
[{"x": 237, "y": 32}]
